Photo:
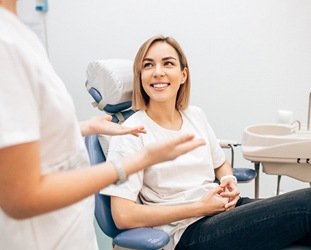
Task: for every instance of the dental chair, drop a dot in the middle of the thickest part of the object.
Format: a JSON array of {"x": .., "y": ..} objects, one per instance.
[
  {"x": 109, "y": 82},
  {"x": 111, "y": 89}
]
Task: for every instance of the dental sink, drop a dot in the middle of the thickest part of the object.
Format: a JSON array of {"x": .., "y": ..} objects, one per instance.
[
  {"x": 281, "y": 149},
  {"x": 270, "y": 129}
]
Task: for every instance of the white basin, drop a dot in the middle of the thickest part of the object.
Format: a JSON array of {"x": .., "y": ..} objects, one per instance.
[
  {"x": 280, "y": 148},
  {"x": 270, "y": 129}
]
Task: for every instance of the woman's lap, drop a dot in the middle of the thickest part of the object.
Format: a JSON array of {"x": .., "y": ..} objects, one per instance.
[{"x": 263, "y": 224}]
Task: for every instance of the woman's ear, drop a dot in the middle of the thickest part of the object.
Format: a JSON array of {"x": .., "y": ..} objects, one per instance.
[{"x": 184, "y": 75}]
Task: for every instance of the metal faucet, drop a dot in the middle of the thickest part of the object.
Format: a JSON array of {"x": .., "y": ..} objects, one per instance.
[
  {"x": 298, "y": 122},
  {"x": 308, "y": 126}
]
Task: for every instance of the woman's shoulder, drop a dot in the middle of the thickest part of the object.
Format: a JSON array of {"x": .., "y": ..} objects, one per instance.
[
  {"x": 136, "y": 118},
  {"x": 193, "y": 110}
]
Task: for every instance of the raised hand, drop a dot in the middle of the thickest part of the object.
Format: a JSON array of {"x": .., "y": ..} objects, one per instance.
[
  {"x": 103, "y": 125},
  {"x": 171, "y": 149}
]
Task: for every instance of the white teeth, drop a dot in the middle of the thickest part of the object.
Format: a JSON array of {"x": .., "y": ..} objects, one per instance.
[{"x": 160, "y": 85}]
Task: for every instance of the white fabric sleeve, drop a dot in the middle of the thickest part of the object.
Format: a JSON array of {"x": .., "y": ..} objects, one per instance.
[
  {"x": 217, "y": 152},
  {"x": 19, "y": 111},
  {"x": 121, "y": 146}
]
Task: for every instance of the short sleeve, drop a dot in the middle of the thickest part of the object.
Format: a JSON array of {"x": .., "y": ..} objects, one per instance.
[
  {"x": 217, "y": 153},
  {"x": 19, "y": 111},
  {"x": 121, "y": 146}
]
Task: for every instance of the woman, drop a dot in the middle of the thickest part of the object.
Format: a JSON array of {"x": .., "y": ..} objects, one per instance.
[
  {"x": 180, "y": 196},
  {"x": 46, "y": 183}
]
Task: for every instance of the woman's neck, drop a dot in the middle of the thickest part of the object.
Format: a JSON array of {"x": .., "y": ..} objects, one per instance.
[{"x": 165, "y": 116}]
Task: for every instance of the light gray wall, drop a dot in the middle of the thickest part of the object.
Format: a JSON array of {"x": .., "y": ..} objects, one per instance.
[{"x": 248, "y": 58}]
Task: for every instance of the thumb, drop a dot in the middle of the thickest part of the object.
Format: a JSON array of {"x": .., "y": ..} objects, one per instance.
[
  {"x": 217, "y": 190},
  {"x": 108, "y": 118}
]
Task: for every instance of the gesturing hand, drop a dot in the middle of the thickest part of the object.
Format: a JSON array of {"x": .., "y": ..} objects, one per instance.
[
  {"x": 103, "y": 125},
  {"x": 171, "y": 149}
]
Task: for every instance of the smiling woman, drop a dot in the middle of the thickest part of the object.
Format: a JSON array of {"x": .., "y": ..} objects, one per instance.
[
  {"x": 171, "y": 60},
  {"x": 180, "y": 196},
  {"x": 161, "y": 79}
]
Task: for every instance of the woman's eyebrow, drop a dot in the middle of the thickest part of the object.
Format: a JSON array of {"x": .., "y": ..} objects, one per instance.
[
  {"x": 148, "y": 59},
  {"x": 168, "y": 58},
  {"x": 163, "y": 59}
]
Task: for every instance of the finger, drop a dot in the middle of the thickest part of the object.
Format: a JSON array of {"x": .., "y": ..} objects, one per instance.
[
  {"x": 217, "y": 190},
  {"x": 142, "y": 129},
  {"x": 183, "y": 138},
  {"x": 228, "y": 182},
  {"x": 108, "y": 118},
  {"x": 230, "y": 194},
  {"x": 229, "y": 206},
  {"x": 188, "y": 146},
  {"x": 136, "y": 131},
  {"x": 186, "y": 142},
  {"x": 232, "y": 203}
]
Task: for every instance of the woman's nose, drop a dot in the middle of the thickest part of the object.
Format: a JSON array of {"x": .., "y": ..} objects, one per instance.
[{"x": 158, "y": 71}]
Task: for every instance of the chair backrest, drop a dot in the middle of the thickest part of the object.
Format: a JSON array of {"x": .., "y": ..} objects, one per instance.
[{"x": 109, "y": 82}]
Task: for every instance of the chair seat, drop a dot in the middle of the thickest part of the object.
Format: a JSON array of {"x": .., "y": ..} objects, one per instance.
[
  {"x": 244, "y": 174},
  {"x": 142, "y": 238}
]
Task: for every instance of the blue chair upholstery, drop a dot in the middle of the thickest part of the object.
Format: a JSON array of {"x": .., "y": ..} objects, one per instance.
[
  {"x": 244, "y": 174},
  {"x": 138, "y": 238}
]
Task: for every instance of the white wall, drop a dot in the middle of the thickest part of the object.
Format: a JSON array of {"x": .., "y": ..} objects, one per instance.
[{"x": 248, "y": 58}]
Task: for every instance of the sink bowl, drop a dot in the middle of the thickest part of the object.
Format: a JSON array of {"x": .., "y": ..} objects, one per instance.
[
  {"x": 280, "y": 149},
  {"x": 270, "y": 130}
]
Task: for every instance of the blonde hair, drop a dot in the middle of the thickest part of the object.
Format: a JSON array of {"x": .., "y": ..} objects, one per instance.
[{"x": 140, "y": 98}]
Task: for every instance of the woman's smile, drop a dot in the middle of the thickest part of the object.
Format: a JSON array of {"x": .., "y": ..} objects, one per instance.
[{"x": 159, "y": 85}]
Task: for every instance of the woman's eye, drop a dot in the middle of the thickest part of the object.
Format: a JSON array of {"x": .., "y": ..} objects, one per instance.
[
  {"x": 146, "y": 65},
  {"x": 168, "y": 63}
]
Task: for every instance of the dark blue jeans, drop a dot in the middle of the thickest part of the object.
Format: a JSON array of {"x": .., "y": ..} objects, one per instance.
[{"x": 271, "y": 223}]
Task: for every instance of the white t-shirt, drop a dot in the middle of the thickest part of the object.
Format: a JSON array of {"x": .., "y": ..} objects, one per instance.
[
  {"x": 184, "y": 180},
  {"x": 35, "y": 106}
]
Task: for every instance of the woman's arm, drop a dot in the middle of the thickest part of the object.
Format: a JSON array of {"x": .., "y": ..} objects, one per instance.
[
  {"x": 25, "y": 192},
  {"x": 103, "y": 125},
  {"x": 228, "y": 184},
  {"x": 224, "y": 169},
  {"x": 128, "y": 214}
]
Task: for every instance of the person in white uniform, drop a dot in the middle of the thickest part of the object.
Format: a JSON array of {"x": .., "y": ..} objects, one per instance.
[
  {"x": 46, "y": 182},
  {"x": 181, "y": 196}
]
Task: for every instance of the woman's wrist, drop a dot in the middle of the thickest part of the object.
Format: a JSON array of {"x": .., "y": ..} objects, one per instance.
[
  {"x": 119, "y": 168},
  {"x": 229, "y": 177},
  {"x": 85, "y": 128}
]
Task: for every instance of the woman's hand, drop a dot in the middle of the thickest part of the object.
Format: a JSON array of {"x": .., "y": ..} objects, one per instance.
[
  {"x": 103, "y": 125},
  {"x": 212, "y": 202},
  {"x": 230, "y": 191}
]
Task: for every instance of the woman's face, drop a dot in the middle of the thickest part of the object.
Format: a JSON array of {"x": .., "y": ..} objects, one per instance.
[{"x": 161, "y": 74}]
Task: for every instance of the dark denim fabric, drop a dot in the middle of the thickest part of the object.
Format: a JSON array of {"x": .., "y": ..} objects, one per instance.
[{"x": 271, "y": 223}]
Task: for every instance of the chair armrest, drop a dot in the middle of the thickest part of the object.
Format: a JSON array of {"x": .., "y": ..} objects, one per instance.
[
  {"x": 142, "y": 238},
  {"x": 227, "y": 143}
]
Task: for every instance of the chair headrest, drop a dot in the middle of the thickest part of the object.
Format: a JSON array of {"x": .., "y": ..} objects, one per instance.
[{"x": 110, "y": 83}]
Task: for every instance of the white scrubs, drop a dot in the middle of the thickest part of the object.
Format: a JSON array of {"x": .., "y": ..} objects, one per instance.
[{"x": 35, "y": 105}]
